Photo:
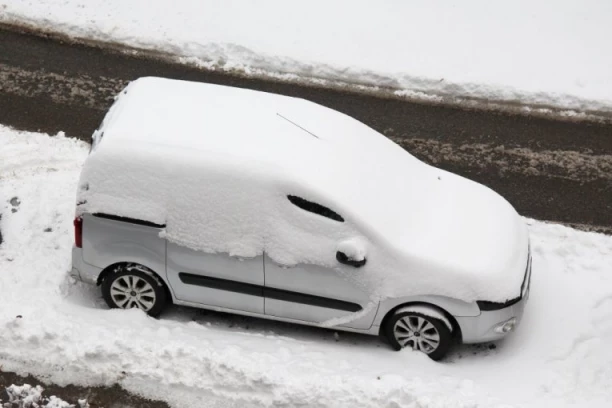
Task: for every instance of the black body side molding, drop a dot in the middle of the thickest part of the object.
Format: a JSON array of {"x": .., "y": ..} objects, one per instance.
[
  {"x": 271, "y": 293},
  {"x": 130, "y": 220}
]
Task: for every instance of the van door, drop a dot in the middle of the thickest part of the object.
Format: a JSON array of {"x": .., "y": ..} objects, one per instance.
[
  {"x": 217, "y": 280},
  {"x": 310, "y": 292},
  {"x": 316, "y": 294}
]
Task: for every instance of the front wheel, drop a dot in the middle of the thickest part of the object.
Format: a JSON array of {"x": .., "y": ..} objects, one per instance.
[
  {"x": 133, "y": 286},
  {"x": 419, "y": 331}
]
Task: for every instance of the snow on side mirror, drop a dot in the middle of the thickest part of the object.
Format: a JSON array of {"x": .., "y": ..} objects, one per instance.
[{"x": 351, "y": 252}]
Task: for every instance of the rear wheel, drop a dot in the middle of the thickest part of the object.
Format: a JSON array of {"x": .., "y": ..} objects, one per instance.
[
  {"x": 419, "y": 331},
  {"x": 134, "y": 286}
]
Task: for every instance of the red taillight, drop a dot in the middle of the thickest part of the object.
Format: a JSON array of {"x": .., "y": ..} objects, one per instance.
[{"x": 78, "y": 232}]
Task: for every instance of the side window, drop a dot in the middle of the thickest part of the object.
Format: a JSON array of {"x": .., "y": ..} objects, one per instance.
[{"x": 314, "y": 208}]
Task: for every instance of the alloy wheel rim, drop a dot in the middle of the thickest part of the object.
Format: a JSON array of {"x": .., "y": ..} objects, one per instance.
[
  {"x": 418, "y": 333},
  {"x": 130, "y": 291}
]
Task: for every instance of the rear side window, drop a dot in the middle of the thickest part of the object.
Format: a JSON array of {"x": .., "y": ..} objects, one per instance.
[{"x": 315, "y": 208}]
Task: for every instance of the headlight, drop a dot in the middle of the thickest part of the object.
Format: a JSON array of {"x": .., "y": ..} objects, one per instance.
[{"x": 488, "y": 306}]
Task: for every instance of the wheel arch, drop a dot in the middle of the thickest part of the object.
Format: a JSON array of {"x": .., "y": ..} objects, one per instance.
[
  {"x": 113, "y": 267},
  {"x": 456, "y": 329}
]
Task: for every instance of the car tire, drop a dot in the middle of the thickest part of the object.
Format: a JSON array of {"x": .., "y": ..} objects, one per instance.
[
  {"x": 419, "y": 331},
  {"x": 134, "y": 286}
]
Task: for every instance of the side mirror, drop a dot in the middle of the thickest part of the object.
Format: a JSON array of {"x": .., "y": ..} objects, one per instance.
[{"x": 352, "y": 253}]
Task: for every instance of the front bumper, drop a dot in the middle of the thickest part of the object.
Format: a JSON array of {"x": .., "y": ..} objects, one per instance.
[
  {"x": 486, "y": 326},
  {"x": 489, "y": 325}
]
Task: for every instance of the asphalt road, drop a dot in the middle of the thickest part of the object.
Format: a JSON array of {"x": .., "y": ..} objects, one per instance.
[
  {"x": 548, "y": 169},
  {"x": 96, "y": 397}
]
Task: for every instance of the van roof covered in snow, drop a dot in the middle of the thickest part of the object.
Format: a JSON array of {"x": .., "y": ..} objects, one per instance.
[
  {"x": 267, "y": 127},
  {"x": 342, "y": 162},
  {"x": 162, "y": 124}
]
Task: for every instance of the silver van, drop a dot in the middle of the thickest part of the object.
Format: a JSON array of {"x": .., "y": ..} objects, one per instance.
[{"x": 270, "y": 206}]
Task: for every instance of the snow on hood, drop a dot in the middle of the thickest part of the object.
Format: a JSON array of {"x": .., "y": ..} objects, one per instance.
[
  {"x": 469, "y": 243},
  {"x": 169, "y": 149},
  {"x": 478, "y": 234}
]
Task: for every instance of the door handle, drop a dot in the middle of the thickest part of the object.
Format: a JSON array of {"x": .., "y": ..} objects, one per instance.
[{"x": 344, "y": 259}]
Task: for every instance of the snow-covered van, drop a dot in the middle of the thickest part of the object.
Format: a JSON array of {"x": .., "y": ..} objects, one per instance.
[{"x": 276, "y": 207}]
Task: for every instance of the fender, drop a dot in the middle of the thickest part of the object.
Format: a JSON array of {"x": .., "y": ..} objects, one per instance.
[{"x": 452, "y": 306}]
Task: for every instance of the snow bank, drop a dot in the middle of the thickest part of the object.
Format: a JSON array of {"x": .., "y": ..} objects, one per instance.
[
  {"x": 544, "y": 52},
  {"x": 53, "y": 327}
]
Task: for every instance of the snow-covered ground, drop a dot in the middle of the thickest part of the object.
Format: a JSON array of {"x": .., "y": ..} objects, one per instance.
[
  {"x": 56, "y": 328},
  {"x": 539, "y": 52}
]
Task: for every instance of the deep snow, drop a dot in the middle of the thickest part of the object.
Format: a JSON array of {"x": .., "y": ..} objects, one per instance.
[
  {"x": 543, "y": 52},
  {"x": 54, "y": 327}
]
